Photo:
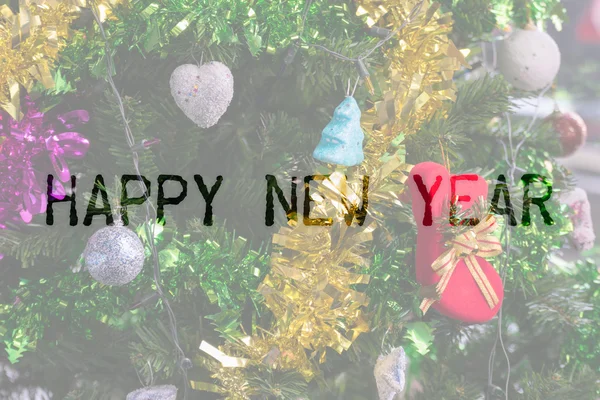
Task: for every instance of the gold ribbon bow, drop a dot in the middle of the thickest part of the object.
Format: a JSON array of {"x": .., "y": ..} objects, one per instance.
[{"x": 479, "y": 241}]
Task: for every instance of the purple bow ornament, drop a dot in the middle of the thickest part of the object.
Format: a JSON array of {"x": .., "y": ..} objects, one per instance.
[{"x": 22, "y": 146}]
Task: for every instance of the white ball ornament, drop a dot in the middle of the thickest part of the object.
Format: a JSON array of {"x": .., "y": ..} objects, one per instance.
[
  {"x": 529, "y": 59},
  {"x": 114, "y": 255},
  {"x": 164, "y": 392},
  {"x": 204, "y": 92}
]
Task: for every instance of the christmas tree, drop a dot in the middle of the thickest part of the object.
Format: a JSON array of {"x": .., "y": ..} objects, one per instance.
[{"x": 156, "y": 235}]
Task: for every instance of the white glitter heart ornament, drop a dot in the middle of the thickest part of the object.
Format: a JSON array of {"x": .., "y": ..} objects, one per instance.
[{"x": 202, "y": 92}]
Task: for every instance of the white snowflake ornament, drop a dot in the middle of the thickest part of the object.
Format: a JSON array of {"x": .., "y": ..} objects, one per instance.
[{"x": 390, "y": 374}]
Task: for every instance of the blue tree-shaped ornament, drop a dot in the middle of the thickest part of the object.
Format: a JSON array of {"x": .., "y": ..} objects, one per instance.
[{"x": 342, "y": 139}]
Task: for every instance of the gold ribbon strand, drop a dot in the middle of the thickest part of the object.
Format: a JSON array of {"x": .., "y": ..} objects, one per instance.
[{"x": 30, "y": 42}]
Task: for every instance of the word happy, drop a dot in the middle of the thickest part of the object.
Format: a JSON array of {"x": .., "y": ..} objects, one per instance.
[{"x": 290, "y": 208}]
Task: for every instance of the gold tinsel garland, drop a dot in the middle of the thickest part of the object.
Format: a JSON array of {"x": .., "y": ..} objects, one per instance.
[
  {"x": 417, "y": 78},
  {"x": 310, "y": 288},
  {"x": 30, "y": 42}
]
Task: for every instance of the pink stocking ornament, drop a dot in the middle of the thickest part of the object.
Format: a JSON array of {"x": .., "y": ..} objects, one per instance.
[{"x": 474, "y": 291}]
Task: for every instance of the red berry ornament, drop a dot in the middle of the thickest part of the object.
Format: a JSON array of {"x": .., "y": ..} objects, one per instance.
[{"x": 572, "y": 131}]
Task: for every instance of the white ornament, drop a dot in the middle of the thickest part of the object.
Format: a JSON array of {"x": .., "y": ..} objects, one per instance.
[
  {"x": 165, "y": 392},
  {"x": 202, "y": 92},
  {"x": 529, "y": 59},
  {"x": 114, "y": 255},
  {"x": 390, "y": 374},
  {"x": 583, "y": 234}
]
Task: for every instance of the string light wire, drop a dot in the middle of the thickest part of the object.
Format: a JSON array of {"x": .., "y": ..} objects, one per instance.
[
  {"x": 415, "y": 11},
  {"x": 511, "y": 153},
  {"x": 151, "y": 213}
]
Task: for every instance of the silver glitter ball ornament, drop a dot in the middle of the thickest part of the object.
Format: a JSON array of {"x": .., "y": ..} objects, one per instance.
[
  {"x": 114, "y": 255},
  {"x": 165, "y": 392},
  {"x": 202, "y": 92}
]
